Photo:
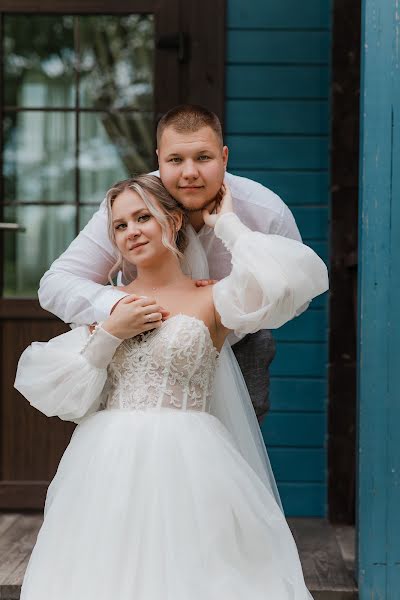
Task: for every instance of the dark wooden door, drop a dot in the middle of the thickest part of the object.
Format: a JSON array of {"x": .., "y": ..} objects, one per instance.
[{"x": 82, "y": 86}]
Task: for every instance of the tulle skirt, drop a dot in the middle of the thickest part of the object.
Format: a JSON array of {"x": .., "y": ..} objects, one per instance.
[{"x": 159, "y": 505}]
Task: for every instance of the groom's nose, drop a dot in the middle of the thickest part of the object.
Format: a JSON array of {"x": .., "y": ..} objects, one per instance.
[{"x": 189, "y": 169}]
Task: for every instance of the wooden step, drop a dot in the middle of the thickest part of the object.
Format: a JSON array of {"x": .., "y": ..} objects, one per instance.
[{"x": 326, "y": 553}]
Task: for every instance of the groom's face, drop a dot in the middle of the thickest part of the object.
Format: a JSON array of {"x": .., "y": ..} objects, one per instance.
[{"x": 192, "y": 165}]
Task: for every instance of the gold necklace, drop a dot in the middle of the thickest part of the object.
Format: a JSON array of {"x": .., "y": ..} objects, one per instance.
[{"x": 155, "y": 288}]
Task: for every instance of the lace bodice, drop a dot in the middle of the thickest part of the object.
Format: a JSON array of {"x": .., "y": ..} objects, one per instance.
[{"x": 172, "y": 366}]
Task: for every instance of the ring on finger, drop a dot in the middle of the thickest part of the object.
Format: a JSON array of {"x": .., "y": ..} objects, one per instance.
[{"x": 151, "y": 317}]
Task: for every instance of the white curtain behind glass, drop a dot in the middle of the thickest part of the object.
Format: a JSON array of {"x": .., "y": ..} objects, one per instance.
[{"x": 45, "y": 171}]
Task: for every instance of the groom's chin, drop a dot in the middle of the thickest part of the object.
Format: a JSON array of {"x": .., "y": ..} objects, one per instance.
[{"x": 194, "y": 204}]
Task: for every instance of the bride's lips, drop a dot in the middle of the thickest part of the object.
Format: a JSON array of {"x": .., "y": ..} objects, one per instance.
[{"x": 137, "y": 246}]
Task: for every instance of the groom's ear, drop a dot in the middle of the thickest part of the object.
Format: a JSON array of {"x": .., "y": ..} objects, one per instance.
[{"x": 225, "y": 154}]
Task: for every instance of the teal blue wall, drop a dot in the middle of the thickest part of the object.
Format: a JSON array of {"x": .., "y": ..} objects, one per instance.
[
  {"x": 378, "y": 405},
  {"x": 277, "y": 129}
]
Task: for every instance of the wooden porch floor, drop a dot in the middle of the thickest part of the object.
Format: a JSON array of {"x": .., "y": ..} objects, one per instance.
[{"x": 326, "y": 553}]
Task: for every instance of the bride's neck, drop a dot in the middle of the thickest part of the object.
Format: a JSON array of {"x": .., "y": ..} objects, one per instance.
[{"x": 166, "y": 273}]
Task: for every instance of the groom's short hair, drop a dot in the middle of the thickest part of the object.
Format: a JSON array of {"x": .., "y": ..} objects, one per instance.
[{"x": 188, "y": 118}]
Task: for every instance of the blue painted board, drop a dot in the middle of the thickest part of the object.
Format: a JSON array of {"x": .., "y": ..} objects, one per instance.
[
  {"x": 294, "y": 187},
  {"x": 294, "y": 429},
  {"x": 310, "y": 326},
  {"x": 277, "y": 81},
  {"x": 272, "y": 152},
  {"x": 303, "y": 499},
  {"x": 278, "y": 47},
  {"x": 277, "y": 116},
  {"x": 321, "y": 302},
  {"x": 300, "y": 359},
  {"x": 298, "y": 394},
  {"x": 282, "y": 14},
  {"x": 277, "y": 130},
  {"x": 312, "y": 221},
  {"x": 378, "y": 465},
  {"x": 298, "y": 464}
]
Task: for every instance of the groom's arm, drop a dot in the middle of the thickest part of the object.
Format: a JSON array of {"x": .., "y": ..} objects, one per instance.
[{"x": 74, "y": 286}]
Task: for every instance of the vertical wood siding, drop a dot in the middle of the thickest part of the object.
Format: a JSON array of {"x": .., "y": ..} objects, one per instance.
[
  {"x": 378, "y": 493},
  {"x": 277, "y": 128}
]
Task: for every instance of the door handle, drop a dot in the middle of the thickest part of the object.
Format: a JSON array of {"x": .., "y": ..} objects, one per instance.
[
  {"x": 12, "y": 227},
  {"x": 178, "y": 41}
]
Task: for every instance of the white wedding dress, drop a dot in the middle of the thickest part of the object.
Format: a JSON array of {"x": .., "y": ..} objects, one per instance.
[{"x": 152, "y": 499}]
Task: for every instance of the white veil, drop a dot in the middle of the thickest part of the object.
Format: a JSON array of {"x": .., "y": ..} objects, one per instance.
[{"x": 231, "y": 402}]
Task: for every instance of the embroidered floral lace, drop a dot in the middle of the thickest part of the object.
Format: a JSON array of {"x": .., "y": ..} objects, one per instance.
[{"x": 172, "y": 366}]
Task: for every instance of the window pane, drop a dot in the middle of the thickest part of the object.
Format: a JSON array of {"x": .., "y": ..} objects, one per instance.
[
  {"x": 117, "y": 61},
  {"x": 113, "y": 146},
  {"x": 39, "y": 61},
  {"x": 39, "y": 156},
  {"x": 86, "y": 213},
  {"x": 49, "y": 230}
]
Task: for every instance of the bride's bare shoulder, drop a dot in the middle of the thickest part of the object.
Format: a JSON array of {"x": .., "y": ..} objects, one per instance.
[{"x": 204, "y": 297}]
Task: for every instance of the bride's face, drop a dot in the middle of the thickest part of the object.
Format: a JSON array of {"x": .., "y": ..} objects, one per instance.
[{"x": 138, "y": 234}]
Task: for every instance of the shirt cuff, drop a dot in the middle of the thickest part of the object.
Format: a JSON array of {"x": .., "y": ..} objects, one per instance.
[
  {"x": 228, "y": 228},
  {"x": 100, "y": 347},
  {"x": 105, "y": 300}
]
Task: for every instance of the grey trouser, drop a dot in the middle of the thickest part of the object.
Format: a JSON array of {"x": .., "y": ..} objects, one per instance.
[{"x": 254, "y": 354}]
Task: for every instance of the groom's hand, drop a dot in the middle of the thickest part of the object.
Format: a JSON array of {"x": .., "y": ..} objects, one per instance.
[{"x": 205, "y": 282}]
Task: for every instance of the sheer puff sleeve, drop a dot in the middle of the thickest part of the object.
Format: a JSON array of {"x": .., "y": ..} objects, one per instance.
[
  {"x": 272, "y": 277},
  {"x": 66, "y": 376}
]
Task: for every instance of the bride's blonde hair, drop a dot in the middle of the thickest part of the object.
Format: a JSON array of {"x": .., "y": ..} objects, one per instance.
[{"x": 147, "y": 187}]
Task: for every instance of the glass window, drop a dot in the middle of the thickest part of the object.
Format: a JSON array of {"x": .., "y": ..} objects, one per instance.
[{"x": 78, "y": 115}]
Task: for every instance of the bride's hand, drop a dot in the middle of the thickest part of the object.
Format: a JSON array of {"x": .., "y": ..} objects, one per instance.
[
  {"x": 134, "y": 315},
  {"x": 222, "y": 206}
]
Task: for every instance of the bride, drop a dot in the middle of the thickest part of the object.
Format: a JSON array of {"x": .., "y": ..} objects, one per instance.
[{"x": 165, "y": 491}]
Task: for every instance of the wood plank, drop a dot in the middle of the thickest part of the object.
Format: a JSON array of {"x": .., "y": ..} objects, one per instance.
[
  {"x": 7, "y": 520},
  {"x": 21, "y": 308},
  {"x": 20, "y": 495},
  {"x": 300, "y": 360},
  {"x": 283, "y": 14},
  {"x": 311, "y": 326},
  {"x": 298, "y": 394},
  {"x": 16, "y": 545},
  {"x": 272, "y": 81},
  {"x": 298, "y": 464},
  {"x": 294, "y": 187},
  {"x": 343, "y": 252},
  {"x": 291, "y": 117},
  {"x": 311, "y": 537},
  {"x": 273, "y": 152},
  {"x": 321, "y": 558},
  {"x": 303, "y": 499},
  {"x": 305, "y": 429},
  {"x": 202, "y": 81},
  {"x": 379, "y": 307},
  {"x": 312, "y": 221},
  {"x": 278, "y": 47},
  {"x": 77, "y": 7},
  {"x": 346, "y": 538}
]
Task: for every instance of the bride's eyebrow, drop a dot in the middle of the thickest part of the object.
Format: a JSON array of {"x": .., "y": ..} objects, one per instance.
[{"x": 133, "y": 214}]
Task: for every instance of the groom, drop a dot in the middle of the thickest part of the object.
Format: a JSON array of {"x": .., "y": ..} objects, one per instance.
[{"x": 192, "y": 162}]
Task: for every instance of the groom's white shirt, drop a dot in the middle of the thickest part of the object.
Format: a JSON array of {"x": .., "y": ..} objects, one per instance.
[{"x": 74, "y": 286}]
